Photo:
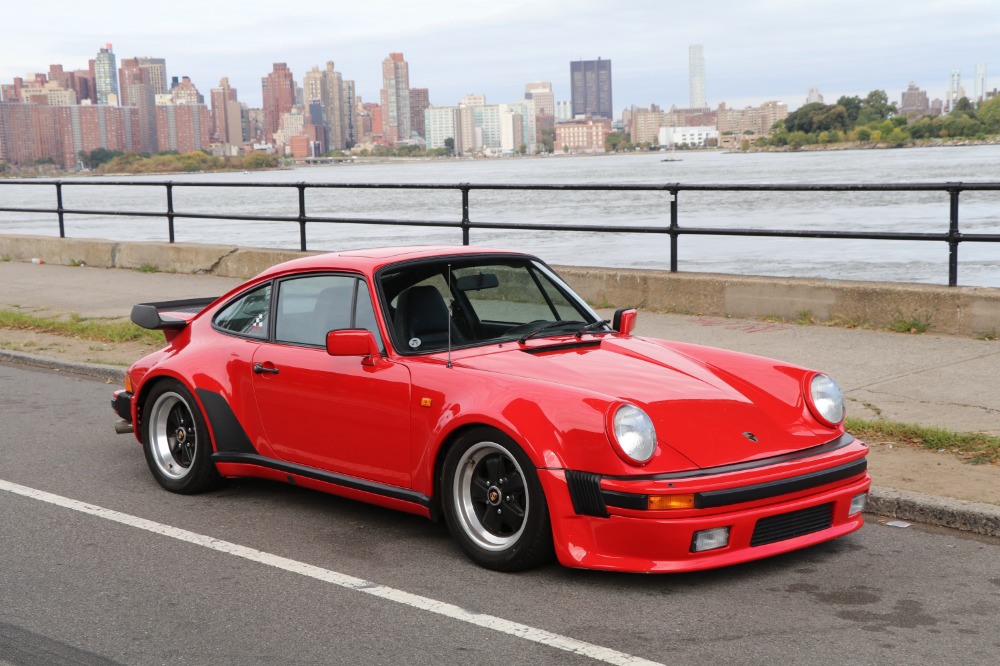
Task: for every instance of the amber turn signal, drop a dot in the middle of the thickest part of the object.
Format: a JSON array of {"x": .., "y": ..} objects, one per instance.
[
  {"x": 128, "y": 383},
  {"x": 662, "y": 502}
]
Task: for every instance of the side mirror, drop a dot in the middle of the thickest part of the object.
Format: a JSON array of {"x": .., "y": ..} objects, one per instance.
[
  {"x": 353, "y": 342},
  {"x": 624, "y": 321}
]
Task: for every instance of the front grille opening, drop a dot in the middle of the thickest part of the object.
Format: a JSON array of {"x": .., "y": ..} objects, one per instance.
[{"x": 790, "y": 525}]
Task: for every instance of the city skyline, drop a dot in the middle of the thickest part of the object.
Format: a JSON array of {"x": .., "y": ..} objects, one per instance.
[{"x": 751, "y": 54}]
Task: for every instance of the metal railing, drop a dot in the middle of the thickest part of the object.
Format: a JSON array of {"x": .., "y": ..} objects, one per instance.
[{"x": 953, "y": 236}]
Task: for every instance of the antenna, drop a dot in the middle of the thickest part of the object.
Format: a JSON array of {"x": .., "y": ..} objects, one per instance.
[{"x": 451, "y": 305}]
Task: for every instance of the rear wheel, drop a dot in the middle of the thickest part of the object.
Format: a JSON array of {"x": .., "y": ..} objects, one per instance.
[
  {"x": 493, "y": 502},
  {"x": 176, "y": 441}
]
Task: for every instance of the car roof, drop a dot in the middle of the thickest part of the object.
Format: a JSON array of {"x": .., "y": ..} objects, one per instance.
[{"x": 369, "y": 260}]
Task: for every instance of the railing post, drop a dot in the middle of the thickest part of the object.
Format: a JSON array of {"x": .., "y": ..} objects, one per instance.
[
  {"x": 59, "y": 210},
  {"x": 302, "y": 216},
  {"x": 465, "y": 213},
  {"x": 954, "y": 237},
  {"x": 674, "y": 230},
  {"x": 170, "y": 210}
]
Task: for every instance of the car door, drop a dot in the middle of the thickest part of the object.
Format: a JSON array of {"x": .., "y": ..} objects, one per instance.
[{"x": 326, "y": 412}]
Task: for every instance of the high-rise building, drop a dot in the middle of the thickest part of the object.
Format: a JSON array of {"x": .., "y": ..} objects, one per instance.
[
  {"x": 138, "y": 92},
  {"x": 814, "y": 96},
  {"x": 156, "y": 73},
  {"x": 395, "y": 99},
  {"x": 442, "y": 123},
  {"x": 540, "y": 93},
  {"x": 419, "y": 102},
  {"x": 185, "y": 92},
  {"x": 227, "y": 115},
  {"x": 914, "y": 101},
  {"x": 351, "y": 113},
  {"x": 590, "y": 88},
  {"x": 106, "y": 77},
  {"x": 183, "y": 127},
  {"x": 696, "y": 76},
  {"x": 954, "y": 88},
  {"x": 279, "y": 97},
  {"x": 979, "y": 85}
]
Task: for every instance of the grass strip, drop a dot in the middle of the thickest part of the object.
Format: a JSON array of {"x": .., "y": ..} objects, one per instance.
[
  {"x": 973, "y": 447},
  {"x": 100, "y": 330}
]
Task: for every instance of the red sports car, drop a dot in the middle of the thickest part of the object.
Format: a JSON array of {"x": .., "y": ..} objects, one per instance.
[{"x": 474, "y": 385}]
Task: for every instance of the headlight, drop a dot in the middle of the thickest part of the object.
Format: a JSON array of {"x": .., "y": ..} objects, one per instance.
[
  {"x": 634, "y": 433},
  {"x": 826, "y": 400}
]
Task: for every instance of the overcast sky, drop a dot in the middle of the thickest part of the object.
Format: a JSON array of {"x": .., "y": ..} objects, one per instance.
[{"x": 755, "y": 50}]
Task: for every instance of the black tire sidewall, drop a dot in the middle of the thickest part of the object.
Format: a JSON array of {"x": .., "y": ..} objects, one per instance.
[
  {"x": 203, "y": 475},
  {"x": 534, "y": 545}
]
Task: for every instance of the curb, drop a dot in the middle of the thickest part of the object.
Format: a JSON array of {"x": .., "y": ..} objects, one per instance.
[
  {"x": 928, "y": 509},
  {"x": 109, "y": 373},
  {"x": 931, "y": 510}
]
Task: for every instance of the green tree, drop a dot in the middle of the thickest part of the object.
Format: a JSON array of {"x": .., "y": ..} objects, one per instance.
[
  {"x": 852, "y": 105},
  {"x": 548, "y": 139},
  {"x": 863, "y": 134},
  {"x": 449, "y": 145},
  {"x": 964, "y": 107},
  {"x": 989, "y": 115},
  {"x": 876, "y": 107},
  {"x": 4, "y": 167}
]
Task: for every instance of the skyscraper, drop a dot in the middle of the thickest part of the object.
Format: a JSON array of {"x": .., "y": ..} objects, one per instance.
[
  {"x": 696, "y": 76},
  {"x": 137, "y": 91},
  {"x": 979, "y": 86},
  {"x": 227, "y": 116},
  {"x": 419, "y": 102},
  {"x": 590, "y": 88},
  {"x": 156, "y": 73},
  {"x": 279, "y": 97},
  {"x": 106, "y": 75},
  {"x": 395, "y": 99}
]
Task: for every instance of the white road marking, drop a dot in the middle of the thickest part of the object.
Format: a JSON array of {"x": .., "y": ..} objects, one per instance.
[{"x": 517, "y": 629}]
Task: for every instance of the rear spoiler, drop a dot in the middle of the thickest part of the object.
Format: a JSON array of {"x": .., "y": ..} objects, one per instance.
[{"x": 172, "y": 315}]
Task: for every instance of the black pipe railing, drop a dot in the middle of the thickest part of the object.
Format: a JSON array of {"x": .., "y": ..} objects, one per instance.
[{"x": 953, "y": 236}]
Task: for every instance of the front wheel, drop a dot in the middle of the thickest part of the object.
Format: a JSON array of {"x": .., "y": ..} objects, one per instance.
[
  {"x": 494, "y": 504},
  {"x": 176, "y": 442}
]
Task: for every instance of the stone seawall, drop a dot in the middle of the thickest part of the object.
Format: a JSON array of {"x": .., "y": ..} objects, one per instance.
[{"x": 950, "y": 310}]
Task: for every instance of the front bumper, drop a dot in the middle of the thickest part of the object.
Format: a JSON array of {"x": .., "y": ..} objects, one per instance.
[{"x": 604, "y": 523}]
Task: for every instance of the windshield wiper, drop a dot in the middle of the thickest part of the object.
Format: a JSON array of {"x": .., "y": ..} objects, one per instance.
[
  {"x": 592, "y": 327},
  {"x": 544, "y": 327}
]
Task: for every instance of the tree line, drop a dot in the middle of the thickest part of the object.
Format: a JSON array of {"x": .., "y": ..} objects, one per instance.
[{"x": 873, "y": 119}]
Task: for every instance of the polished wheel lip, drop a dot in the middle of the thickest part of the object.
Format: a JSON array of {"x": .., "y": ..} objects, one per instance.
[
  {"x": 468, "y": 472},
  {"x": 173, "y": 440}
]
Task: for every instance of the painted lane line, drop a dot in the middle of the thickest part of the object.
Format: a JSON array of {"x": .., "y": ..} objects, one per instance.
[{"x": 523, "y": 631}]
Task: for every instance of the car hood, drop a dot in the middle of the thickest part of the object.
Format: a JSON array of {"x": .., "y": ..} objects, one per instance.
[{"x": 712, "y": 407}]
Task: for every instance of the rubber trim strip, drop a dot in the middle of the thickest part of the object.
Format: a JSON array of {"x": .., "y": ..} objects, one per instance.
[
  {"x": 838, "y": 443},
  {"x": 351, "y": 482},
  {"x": 717, "y": 498}
]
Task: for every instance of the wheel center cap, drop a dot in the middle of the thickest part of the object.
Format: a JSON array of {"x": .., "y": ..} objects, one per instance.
[
  {"x": 181, "y": 434},
  {"x": 493, "y": 495}
]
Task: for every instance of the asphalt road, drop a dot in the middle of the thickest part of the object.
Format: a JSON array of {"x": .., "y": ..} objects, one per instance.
[{"x": 81, "y": 585}]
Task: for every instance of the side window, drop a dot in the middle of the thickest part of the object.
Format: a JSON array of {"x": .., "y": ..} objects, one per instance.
[
  {"x": 247, "y": 315},
  {"x": 310, "y": 307}
]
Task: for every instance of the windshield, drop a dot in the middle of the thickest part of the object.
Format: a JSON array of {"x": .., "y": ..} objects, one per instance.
[{"x": 476, "y": 301}]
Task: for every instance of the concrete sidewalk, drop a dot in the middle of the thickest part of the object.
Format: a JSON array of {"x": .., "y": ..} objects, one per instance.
[{"x": 935, "y": 380}]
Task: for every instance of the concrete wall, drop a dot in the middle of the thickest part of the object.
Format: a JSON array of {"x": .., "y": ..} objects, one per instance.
[{"x": 950, "y": 310}]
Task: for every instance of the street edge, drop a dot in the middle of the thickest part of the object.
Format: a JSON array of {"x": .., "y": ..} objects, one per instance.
[{"x": 905, "y": 505}]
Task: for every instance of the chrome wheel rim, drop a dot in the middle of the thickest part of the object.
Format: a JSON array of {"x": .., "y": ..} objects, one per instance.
[
  {"x": 173, "y": 440},
  {"x": 491, "y": 499}
]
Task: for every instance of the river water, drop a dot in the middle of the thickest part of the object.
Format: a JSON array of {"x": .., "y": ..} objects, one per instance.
[{"x": 904, "y": 261}]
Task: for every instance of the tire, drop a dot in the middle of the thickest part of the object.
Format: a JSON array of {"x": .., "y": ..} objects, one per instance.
[
  {"x": 176, "y": 442},
  {"x": 493, "y": 502}
]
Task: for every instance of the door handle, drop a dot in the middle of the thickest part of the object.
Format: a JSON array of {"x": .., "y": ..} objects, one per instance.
[{"x": 259, "y": 369}]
